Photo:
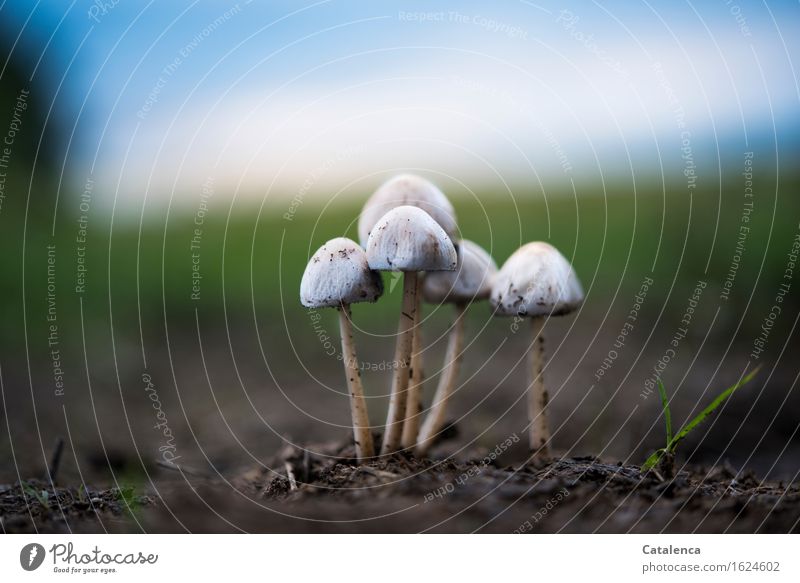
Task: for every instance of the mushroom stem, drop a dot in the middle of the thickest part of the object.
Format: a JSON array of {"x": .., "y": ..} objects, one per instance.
[
  {"x": 413, "y": 401},
  {"x": 539, "y": 431},
  {"x": 452, "y": 363},
  {"x": 402, "y": 361},
  {"x": 358, "y": 406}
]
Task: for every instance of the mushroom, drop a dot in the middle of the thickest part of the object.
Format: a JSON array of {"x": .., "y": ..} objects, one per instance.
[
  {"x": 411, "y": 190},
  {"x": 336, "y": 276},
  {"x": 407, "y": 190},
  {"x": 536, "y": 282},
  {"x": 469, "y": 282},
  {"x": 406, "y": 239}
]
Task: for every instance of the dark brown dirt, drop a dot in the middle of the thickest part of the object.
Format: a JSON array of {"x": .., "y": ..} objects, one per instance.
[
  {"x": 329, "y": 492},
  {"x": 35, "y": 505}
]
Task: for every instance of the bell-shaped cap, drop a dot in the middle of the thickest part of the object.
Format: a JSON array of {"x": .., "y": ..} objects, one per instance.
[
  {"x": 471, "y": 280},
  {"x": 407, "y": 190},
  {"x": 338, "y": 273},
  {"x": 536, "y": 281},
  {"x": 408, "y": 239}
]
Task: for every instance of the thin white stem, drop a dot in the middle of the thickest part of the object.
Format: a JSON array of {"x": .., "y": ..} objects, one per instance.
[
  {"x": 436, "y": 417},
  {"x": 358, "y": 406},
  {"x": 416, "y": 377},
  {"x": 539, "y": 430},
  {"x": 402, "y": 361}
]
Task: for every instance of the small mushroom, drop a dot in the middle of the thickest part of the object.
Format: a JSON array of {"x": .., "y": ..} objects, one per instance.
[
  {"x": 536, "y": 282},
  {"x": 336, "y": 276},
  {"x": 406, "y": 239},
  {"x": 470, "y": 281}
]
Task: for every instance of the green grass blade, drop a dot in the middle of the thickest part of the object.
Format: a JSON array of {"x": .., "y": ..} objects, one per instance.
[
  {"x": 651, "y": 461},
  {"x": 665, "y": 406},
  {"x": 710, "y": 409}
]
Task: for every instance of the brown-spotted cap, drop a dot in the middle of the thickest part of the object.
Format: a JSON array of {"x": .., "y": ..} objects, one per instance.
[
  {"x": 338, "y": 273},
  {"x": 536, "y": 280},
  {"x": 408, "y": 239}
]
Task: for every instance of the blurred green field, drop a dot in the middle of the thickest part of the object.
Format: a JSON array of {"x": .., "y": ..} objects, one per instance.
[{"x": 252, "y": 257}]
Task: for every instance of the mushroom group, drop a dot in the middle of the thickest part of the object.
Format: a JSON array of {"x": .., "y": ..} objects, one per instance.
[{"x": 409, "y": 226}]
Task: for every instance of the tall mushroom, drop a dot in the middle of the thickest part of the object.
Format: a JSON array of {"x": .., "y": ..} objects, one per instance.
[
  {"x": 336, "y": 276},
  {"x": 469, "y": 282},
  {"x": 407, "y": 190},
  {"x": 536, "y": 282},
  {"x": 406, "y": 239},
  {"x": 410, "y": 190}
]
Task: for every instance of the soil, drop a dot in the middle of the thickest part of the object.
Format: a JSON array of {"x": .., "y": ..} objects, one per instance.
[
  {"x": 38, "y": 506},
  {"x": 328, "y": 491}
]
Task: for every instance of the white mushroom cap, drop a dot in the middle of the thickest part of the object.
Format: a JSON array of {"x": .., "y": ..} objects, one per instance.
[
  {"x": 536, "y": 281},
  {"x": 471, "y": 280},
  {"x": 338, "y": 273},
  {"x": 408, "y": 239},
  {"x": 407, "y": 190}
]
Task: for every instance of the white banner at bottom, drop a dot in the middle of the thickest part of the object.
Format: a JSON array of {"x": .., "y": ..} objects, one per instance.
[{"x": 390, "y": 558}]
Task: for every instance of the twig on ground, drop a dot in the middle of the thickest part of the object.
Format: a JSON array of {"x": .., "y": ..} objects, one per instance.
[
  {"x": 379, "y": 473},
  {"x": 290, "y": 475},
  {"x": 305, "y": 477},
  {"x": 55, "y": 461}
]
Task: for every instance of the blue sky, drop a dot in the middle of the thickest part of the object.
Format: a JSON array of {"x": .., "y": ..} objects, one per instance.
[{"x": 268, "y": 96}]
